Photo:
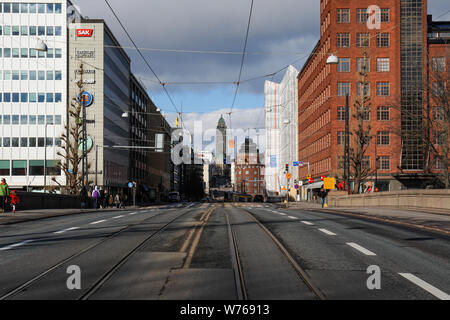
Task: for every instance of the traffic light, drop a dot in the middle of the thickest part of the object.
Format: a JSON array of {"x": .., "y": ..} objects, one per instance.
[{"x": 287, "y": 167}]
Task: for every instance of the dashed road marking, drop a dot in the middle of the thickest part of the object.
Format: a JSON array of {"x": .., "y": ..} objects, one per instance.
[
  {"x": 361, "y": 249},
  {"x": 327, "y": 232},
  {"x": 293, "y": 218},
  {"x": 426, "y": 286},
  {"x": 67, "y": 230},
  {"x": 308, "y": 223},
  {"x": 118, "y": 217},
  {"x": 16, "y": 245},
  {"x": 133, "y": 213},
  {"x": 97, "y": 222}
]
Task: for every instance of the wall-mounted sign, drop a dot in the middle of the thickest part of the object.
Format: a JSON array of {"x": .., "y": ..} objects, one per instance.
[
  {"x": 85, "y": 54},
  {"x": 85, "y": 33},
  {"x": 86, "y": 99},
  {"x": 89, "y": 144}
]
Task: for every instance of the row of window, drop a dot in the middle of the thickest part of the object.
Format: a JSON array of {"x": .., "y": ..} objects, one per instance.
[
  {"x": 15, "y": 7},
  {"x": 29, "y": 142},
  {"x": 383, "y": 114},
  {"x": 438, "y": 64},
  {"x": 383, "y": 64},
  {"x": 383, "y": 138},
  {"x": 34, "y": 167},
  {"x": 29, "y": 119},
  {"x": 16, "y": 97},
  {"x": 383, "y": 89},
  {"x": 382, "y": 15},
  {"x": 31, "y": 30},
  {"x": 30, "y": 75},
  {"x": 383, "y": 163},
  {"x": 29, "y": 53},
  {"x": 363, "y": 40}
]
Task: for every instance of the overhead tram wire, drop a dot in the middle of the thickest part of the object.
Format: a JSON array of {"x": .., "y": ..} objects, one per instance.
[{"x": 146, "y": 61}]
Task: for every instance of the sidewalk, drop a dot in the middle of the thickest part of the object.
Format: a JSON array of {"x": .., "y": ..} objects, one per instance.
[
  {"x": 33, "y": 215},
  {"x": 432, "y": 220}
]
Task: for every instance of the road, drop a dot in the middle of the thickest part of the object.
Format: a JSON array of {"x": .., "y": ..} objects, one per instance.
[{"x": 220, "y": 252}]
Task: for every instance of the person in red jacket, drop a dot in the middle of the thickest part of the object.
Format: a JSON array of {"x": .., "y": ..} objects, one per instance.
[{"x": 14, "y": 200}]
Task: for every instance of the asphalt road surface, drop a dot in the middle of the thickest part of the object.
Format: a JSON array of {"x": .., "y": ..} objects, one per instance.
[{"x": 220, "y": 252}]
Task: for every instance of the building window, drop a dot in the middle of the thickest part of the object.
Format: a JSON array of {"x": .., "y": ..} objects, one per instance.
[
  {"x": 4, "y": 167},
  {"x": 362, "y": 40},
  {"x": 384, "y": 163},
  {"x": 340, "y": 138},
  {"x": 36, "y": 167},
  {"x": 361, "y": 15},
  {"x": 383, "y": 65},
  {"x": 438, "y": 89},
  {"x": 383, "y": 138},
  {"x": 438, "y": 64},
  {"x": 383, "y": 114},
  {"x": 366, "y": 89},
  {"x": 343, "y": 15},
  {"x": 344, "y": 65},
  {"x": 383, "y": 89},
  {"x": 438, "y": 164},
  {"x": 341, "y": 113},
  {"x": 341, "y": 162},
  {"x": 19, "y": 168},
  {"x": 385, "y": 15},
  {"x": 383, "y": 40},
  {"x": 366, "y": 163},
  {"x": 360, "y": 64},
  {"x": 343, "y": 40},
  {"x": 343, "y": 89},
  {"x": 438, "y": 114}
]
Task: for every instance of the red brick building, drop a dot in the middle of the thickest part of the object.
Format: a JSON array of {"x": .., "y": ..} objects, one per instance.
[
  {"x": 249, "y": 170},
  {"x": 394, "y": 36}
]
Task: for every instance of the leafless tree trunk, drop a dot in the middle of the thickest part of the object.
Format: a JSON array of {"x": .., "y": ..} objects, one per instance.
[{"x": 71, "y": 139}]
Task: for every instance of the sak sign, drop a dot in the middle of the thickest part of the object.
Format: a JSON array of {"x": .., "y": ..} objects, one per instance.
[{"x": 85, "y": 33}]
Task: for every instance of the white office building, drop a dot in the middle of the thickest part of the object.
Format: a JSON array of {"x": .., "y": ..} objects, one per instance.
[
  {"x": 33, "y": 85},
  {"x": 281, "y": 109}
]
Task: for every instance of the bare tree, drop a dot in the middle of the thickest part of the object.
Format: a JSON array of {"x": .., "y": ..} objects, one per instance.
[
  {"x": 72, "y": 156},
  {"x": 438, "y": 117},
  {"x": 361, "y": 133}
]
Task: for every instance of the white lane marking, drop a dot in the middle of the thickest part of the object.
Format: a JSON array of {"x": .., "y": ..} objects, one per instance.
[
  {"x": 118, "y": 217},
  {"x": 426, "y": 286},
  {"x": 15, "y": 245},
  {"x": 133, "y": 213},
  {"x": 67, "y": 230},
  {"x": 308, "y": 223},
  {"x": 361, "y": 249},
  {"x": 97, "y": 222},
  {"x": 293, "y": 218},
  {"x": 327, "y": 232},
  {"x": 281, "y": 214}
]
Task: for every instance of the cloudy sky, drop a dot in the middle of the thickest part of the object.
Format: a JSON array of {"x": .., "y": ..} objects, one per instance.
[{"x": 281, "y": 32}]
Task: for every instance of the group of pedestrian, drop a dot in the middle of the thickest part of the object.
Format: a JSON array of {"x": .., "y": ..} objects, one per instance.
[
  {"x": 103, "y": 200},
  {"x": 8, "y": 198}
]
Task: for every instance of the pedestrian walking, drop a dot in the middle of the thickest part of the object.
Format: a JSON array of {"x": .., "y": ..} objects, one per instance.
[
  {"x": 111, "y": 201},
  {"x": 117, "y": 201},
  {"x": 4, "y": 194},
  {"x": 95, "y": 196},
  {"x": 101, "y": 199},
  {"x": 323, "y": 196},
  {"x": 15, "y": 200}
]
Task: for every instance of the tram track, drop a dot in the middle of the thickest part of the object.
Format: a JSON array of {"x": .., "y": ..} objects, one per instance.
[
  {"x": 241, "y": 288},
  {"x": 111, "y": 271}
]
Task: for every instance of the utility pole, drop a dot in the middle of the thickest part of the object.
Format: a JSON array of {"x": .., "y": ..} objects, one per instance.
[{"x": 347, "y": 143}]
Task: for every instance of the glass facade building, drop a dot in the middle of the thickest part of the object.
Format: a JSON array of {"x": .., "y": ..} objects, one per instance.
[{"x": 33, "y": 90}]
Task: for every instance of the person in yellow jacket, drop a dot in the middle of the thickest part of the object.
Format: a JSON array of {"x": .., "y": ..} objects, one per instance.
[{"x": 4, "y": 194}]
